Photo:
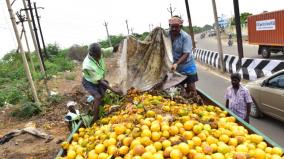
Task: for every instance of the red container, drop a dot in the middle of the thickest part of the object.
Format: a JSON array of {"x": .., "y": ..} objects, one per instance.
[{"x": 266, "y": 28}]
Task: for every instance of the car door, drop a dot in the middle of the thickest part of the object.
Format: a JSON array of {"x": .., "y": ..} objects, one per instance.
[{"x": 272, "y": 96}]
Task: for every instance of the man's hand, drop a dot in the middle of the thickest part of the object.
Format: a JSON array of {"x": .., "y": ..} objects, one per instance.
[{"x": 174, "y": 67}]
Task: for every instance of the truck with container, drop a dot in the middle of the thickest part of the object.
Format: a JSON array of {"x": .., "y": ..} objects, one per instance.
[{"x": 267, "y": 31}]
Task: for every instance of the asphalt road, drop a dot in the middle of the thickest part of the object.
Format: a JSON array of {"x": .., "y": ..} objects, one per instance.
[
  {"x": 215, "y": 84},
  {"x": 250, "y": 51}
]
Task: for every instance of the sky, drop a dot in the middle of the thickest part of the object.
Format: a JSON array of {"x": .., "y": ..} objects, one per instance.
[{"x": 68, "y": 22}]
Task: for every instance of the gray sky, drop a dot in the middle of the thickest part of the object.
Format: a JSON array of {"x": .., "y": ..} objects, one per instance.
[{"x": 69, "y": 22}]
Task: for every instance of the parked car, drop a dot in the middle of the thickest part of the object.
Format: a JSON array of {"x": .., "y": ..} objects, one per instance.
[
  {"x": 212, "y": 33},
  {"x": 268, "y": 96}
]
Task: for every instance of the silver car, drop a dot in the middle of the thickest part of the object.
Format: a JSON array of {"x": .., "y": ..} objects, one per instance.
[{"x": 268, "y": 96}]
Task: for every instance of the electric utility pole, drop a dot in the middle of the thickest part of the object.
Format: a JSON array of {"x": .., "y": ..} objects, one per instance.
[
  {"x": 35, "y": 31},
  {"x": 239, "y": 32},
  {"x": 109, "y": 40},
  {"x": 127, "y": 26},
  {"x": 221, "y": 61},
  {"x": 40, "y": 30},
  {"x": 132, "y": 29},
  {"x": 191, "y": 33},
  {"x": 171, "y": 10},
  {"x": 41, "y": 65},
  {"x": 25, "y": 62}
]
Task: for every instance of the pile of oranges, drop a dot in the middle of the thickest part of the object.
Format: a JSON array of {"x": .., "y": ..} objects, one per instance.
[{"x": 152, "y": 127}]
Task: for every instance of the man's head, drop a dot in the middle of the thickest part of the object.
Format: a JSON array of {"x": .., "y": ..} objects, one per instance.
[
  {"x": 235, "y": 80},
  {"x": 175, "y": 25},
  {"x": 95, "y": 50}
]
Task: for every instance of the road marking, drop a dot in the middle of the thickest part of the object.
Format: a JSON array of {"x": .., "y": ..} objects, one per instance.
[{"x": 205, "y": 68}]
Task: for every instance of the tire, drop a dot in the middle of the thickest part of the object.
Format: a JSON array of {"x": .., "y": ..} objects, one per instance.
[
  {"x": 265, "y": 52},
  {"x": 254, "y": 111}
]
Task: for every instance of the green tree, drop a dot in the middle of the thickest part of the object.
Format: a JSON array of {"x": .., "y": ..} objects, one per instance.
[
  {"x": 243, "y": 18},
  {"x": 115, "y": 39}
]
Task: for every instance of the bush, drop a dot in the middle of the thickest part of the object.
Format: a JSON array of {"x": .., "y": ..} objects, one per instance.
[
  {"x": 77, "y": 52},
  {"x": 11, "y": 95},
  {"x": 27, "y": 110},
  {"x": 55, "y": 99},
  {"x": 52, "y": 49}
]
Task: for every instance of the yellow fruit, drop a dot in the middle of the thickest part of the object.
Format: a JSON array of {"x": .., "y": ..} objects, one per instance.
[
  {"x": 112, "y": 150},
  {"x": 71, "y": 154},
  {"x": 233, "y": 142},
  {"x": 111, "y": 141},
  {"x": 158, "y": 146},
  {"x": 223, "y": 148},
  {"x": 277, "y": 151},
  {"x": 155, "y": 127},
  {"x": 123, "y": 150},
  {"x": 166, "y": 108},
  {"x": 92, "y": 154},
  {"x": 184, "y": 148},
  {"x": 259, "y": 154},
  {"x": 99, "y": 148},
  {"x": 119, "y": 129},
  {"x": 156, "y": 136},
  {"x": 256, "y": 138},
  {"x": 224, "y": 138},
  {"x": 138, "y": 150},
  {"x": 79, "y": 157},
  {"x": 79, "y": 150},
  {"x": 207, "y": 127},
  {"x": 134, "y": 143},
  {"x": 103, "y": 156},
  {"x": 199, "y": 156},
  {"x": 166, "y": 143},
  {"x": 188, "y": 135},
  {"x": 268, "y": 150},
  {"x": 146, "y": 133},
  {"x": 208, "y": 150},
  {"x": 166, "y": 134},
  {"x": 275, "y": 157},
  {"x": 147, "y": 155},
  {"x": 174, "y": 130},
  {"x": 196, "y": 140},
  {"x": 65, "y": 145},
  {"x": 146, "y": 141},
  {"x": 165, "y": 127},
  {"x": 158, "y": 156},
  {"x": 262, "y": 145},
  {"x": 211, "y": 140},
  {"x": 150, "y": 114},
  {"x": 176, "y": 154},
  {"x": 218, "y": 156},
  {"x": 202, "y": 136},
  {"x": 214, "y": 147},
  {"x": 75, "y": 137},
  {"x": 167, "y": 151},
  {"x": 197, "y": 128},
  {"x": 151, "y": 148},
  {"x": 127, "y": 141},
  {"x": 242, "y": 148}
]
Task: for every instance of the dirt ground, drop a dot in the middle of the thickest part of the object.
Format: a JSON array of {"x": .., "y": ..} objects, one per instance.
[{"x": 51, "y": 121}]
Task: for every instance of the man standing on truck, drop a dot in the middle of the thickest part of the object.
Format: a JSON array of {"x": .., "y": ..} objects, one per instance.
[
  {"x": 182, "y": 53},
  {"x": 93, "y": 75},
  {"x": 238, "y": 99}
]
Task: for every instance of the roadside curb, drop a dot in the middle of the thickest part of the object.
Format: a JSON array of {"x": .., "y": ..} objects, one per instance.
[{"x": 251, "y": 69}]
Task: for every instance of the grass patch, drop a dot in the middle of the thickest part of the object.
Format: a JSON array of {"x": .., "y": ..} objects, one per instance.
[
  {"x": 70, "y": 76},
  {"x": 27, "y": 110}
]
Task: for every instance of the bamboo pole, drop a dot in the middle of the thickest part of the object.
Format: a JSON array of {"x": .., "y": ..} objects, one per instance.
[{"x": 25, "y": 62}]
